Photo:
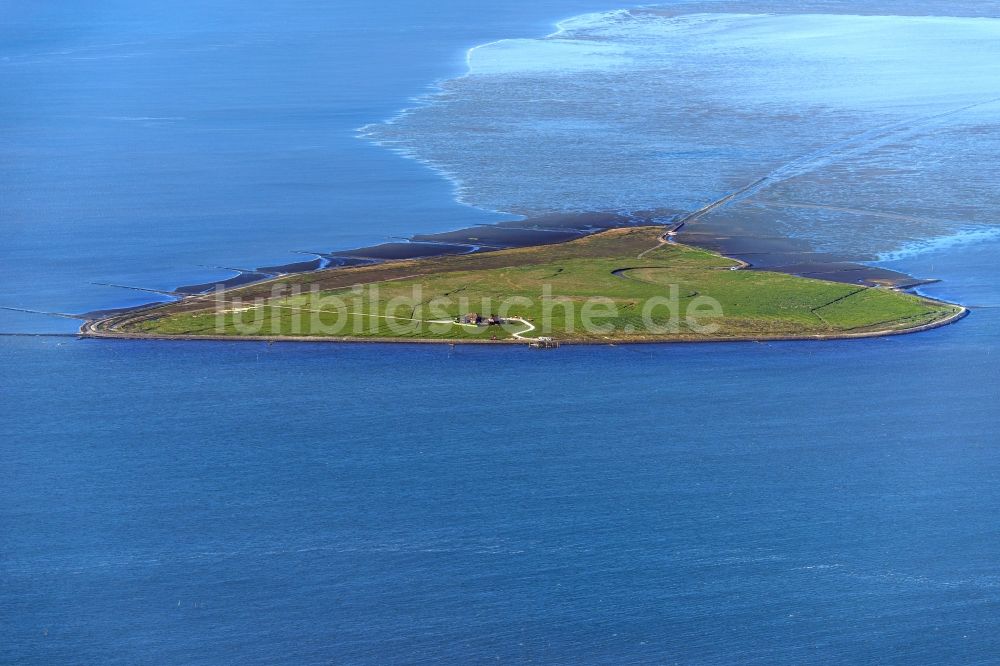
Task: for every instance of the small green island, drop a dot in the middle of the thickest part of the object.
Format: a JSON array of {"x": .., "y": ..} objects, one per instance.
[{"x": 621, "y": 285}]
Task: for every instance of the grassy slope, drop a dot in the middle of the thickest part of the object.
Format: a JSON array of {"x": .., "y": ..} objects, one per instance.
[{"x": 754, "y": 303}]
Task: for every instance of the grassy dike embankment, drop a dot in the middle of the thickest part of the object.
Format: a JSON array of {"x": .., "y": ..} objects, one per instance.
[{"x": 621, "y": 285}]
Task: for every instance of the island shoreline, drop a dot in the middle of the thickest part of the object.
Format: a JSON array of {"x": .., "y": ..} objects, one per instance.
[{"x": 87, "y": 333}]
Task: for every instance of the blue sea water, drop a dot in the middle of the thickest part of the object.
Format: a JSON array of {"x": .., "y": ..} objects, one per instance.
[{"x": 241, "y": 503}]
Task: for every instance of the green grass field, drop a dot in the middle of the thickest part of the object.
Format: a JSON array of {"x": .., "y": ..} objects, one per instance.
[{"x": 593, "y": 289}]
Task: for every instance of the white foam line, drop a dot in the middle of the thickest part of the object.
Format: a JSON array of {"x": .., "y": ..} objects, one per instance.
[{"x": 469, "y": 52}]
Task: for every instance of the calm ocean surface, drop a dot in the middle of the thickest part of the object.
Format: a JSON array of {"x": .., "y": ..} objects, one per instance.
[{"x": 237, "y": 503}]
